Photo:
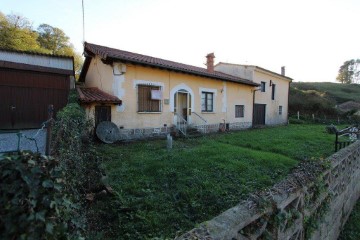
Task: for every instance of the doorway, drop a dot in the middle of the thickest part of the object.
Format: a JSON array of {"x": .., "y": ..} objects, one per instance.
[
  {"x": 102, "y": 113},
  {"x": 259, "y": 114},
  {"x": 182, "y": 104}
]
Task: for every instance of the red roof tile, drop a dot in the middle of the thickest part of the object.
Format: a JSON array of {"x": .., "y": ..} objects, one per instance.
[
  {"x": 95, "y": 95},
  {"x": 107, "y": 53}
]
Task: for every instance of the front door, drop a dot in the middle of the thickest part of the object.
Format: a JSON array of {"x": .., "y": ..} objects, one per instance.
[
  {"x": 259, "y": 114},
  {"x": 102, "y": 113},
  {"x": 182, "y": 104}
]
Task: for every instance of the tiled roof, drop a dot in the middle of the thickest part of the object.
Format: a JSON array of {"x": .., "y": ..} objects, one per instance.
[
  {"x": 95, "y": 95},
  {"x": 107, "y": 53}
]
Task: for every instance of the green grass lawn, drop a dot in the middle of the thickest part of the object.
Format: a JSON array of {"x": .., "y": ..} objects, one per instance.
[
  {"x": 163, "y": 192},
  {"x": 351, "y": 229}
]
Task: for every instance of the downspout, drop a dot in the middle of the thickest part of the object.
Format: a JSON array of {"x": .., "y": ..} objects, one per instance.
[
  {"x": 288, "y": 104},
  {"x": 253, "y": 110}
]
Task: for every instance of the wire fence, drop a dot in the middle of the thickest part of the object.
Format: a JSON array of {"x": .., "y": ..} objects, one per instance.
[
  {"x": 300, "y": 117},
  {"x": 35, "y": 140}
]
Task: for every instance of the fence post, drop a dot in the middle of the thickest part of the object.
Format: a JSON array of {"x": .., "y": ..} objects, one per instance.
[
  {"x": 298, "y": 115},
  {"x": 336, "y": 142},
  {"x": 48, "y": 129}
]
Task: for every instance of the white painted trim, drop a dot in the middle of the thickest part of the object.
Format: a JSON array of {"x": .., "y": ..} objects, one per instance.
[
  {"x": 145, "y": 82},
  {"x": 211, "y": 90},
  {"x": 224, "y": 98},
  {"x": 177, "y": 88}
]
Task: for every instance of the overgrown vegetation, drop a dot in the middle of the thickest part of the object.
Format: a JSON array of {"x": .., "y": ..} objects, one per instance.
[
  {"x": 162, "y": 192},
  {"x": 351, "y": 229},
  {"x": 339, "y": 93},
  {"x": 33, "y": 204},
  {"x": 72, "y": 146}
]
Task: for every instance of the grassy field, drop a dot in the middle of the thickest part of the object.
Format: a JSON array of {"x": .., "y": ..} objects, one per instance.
[
  {"x": 161, "y": 192},
  {"x": 336, "y": 91}
]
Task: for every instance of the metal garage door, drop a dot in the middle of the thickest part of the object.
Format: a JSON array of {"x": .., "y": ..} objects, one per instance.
[{"x": 25, "y": 96}]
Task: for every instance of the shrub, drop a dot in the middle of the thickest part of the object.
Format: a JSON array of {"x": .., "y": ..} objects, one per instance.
[
  {"x": 73, "y": 146},
  {"x": 32, "y": 204}
]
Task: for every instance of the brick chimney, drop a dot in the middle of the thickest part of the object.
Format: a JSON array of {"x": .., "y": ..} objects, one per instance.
[
  {"x": 210, "y": 62},
  {"x": 283, "y": 70}
]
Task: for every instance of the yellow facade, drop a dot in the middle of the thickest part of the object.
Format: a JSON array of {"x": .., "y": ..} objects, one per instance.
[
  {"x": 122, "y": 80},
  {"x": 276, "y": 110},
  {"x": 273, "y": 116}
]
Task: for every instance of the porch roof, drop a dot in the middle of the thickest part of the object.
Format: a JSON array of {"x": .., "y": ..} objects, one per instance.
[{"x": 95, "y": 95}]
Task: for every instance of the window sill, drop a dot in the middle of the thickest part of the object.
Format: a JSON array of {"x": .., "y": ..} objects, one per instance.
[
  {"x": 149, "y": 112},
  {"x": 208, "y": 112}
]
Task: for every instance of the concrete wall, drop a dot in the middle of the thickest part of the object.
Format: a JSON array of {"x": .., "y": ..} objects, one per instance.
[
  {"x": 311, "y": 203},
  {"x": 121, "y": 80}
]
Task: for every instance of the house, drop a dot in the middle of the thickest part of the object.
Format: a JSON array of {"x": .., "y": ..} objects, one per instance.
[
  {"x": 29, "y": 83},
  {"x": 146, "y": 96},
  {"x": 271, "y": 100}
]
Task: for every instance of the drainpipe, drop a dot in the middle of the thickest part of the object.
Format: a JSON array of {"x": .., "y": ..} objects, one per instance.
[
  {"x": 253, "y": 110},
  {"x": 288, "y": 104}
]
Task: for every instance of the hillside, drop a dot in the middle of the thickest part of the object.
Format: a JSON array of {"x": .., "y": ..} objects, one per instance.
[
  {"x": 320, "y": 98},
  {"x": 340, "y": 93}
]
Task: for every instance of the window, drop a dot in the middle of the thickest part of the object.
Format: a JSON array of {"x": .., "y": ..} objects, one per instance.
[
  {"x": 207, "y": 102},
  {"x": 145, "y": 102},
  {"x": 280, "y": 110},
  {"x": 262, "y": 86},
  {"x": 239, "y": 111},
  {"x": 273, "y": 92}
]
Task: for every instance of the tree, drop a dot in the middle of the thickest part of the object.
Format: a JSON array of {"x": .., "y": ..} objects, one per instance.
[
  {"x": 16, "y": 33},
  {"x": 349, "y": 72},
  {"x": 55, "y": 41}
]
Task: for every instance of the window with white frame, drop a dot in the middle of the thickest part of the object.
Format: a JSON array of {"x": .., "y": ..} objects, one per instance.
[
  {"x": 239, "y": 111},
  {"x": 148, "y": 98},
  {"x": 280, "y": 110},
  {"x": 207, "y": 102}
]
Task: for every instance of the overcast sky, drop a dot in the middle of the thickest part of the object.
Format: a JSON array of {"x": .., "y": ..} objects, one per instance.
[{"x": 312, "y": 38}]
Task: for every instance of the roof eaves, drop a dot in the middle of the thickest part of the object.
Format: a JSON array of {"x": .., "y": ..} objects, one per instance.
[{"x": 36, "y": 53}]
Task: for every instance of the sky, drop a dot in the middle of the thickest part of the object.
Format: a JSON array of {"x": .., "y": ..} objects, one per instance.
[{"x": 311, "y": 38}]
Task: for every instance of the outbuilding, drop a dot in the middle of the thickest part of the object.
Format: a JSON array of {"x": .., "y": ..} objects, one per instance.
[{"x": 29, "y": 83}]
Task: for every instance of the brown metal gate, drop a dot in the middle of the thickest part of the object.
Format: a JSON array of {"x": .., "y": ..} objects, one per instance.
[
  {"x": 259, "y": 114},
  {"x": 25, "y": 96}
]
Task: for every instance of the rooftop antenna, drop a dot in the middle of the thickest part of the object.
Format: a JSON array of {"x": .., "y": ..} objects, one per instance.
[{"x": 83, "y": 15}]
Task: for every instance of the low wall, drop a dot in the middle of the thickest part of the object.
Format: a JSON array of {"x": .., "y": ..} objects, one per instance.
[
  {"x": 144, "y": 133},
  {"x": 161, "y": 132},
  {"x": 313, "y": 202}
]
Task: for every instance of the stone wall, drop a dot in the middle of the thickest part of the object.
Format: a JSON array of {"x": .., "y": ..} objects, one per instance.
[
  {"x": 313, "y": 202},
  {"x": 161, "y": 132},
  {"x": 144, "y": 133}
]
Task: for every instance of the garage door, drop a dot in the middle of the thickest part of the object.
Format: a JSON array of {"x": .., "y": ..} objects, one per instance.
[{"x": 25, "y": 96}]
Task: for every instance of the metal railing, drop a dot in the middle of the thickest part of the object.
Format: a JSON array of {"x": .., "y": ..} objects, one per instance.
[
  {"x": 353, "y": 134},
  {"x": 199, "y": 122},
  {"x": 181, "y": 124}
]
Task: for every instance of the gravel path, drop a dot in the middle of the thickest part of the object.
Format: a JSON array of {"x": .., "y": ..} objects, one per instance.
[{"x": 9, "y": 141}]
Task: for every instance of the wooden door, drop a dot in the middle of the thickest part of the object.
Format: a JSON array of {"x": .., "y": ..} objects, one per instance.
[
  {"x": 102, "y": 113},
  {"x": 259, "y": 114}
]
